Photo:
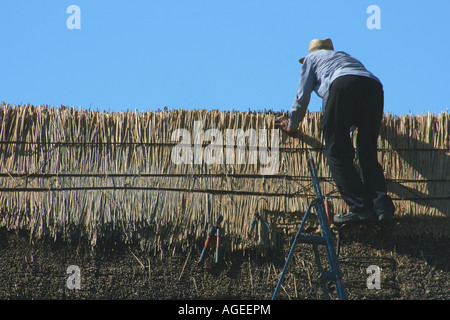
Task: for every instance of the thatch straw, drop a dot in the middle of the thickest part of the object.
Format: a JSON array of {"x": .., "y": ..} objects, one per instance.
[{"x": 67, "y": 172}]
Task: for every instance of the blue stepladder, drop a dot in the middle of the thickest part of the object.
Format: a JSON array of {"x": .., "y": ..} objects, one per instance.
[{"x": 325, "y": 239}]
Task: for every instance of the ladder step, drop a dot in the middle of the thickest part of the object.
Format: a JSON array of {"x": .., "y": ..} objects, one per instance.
[{"x": 312, "y": 239}]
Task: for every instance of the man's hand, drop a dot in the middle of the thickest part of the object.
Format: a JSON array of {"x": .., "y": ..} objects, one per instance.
[{"x": 283, "y": 123}]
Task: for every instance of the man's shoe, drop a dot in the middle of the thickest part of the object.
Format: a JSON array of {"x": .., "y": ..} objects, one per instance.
[{"x": 351, "y": 217}]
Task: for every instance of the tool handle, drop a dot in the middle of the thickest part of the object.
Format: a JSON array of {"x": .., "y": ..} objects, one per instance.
[
  {"x": 253, "y": 224},
  {"x": 202, "y": 257},
  {"x": 205, "y": 249},
  {"x": 218, "y": 246},
  {"x": 266, "y": 223}
]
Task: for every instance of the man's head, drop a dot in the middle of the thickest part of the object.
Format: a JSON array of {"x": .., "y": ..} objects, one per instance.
[{"x": 317, "y": 44}]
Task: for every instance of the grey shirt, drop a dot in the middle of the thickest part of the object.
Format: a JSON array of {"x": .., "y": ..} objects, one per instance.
[{"x": 318, "y": 71}]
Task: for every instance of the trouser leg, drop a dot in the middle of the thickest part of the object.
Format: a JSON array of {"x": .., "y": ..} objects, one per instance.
[
  {"x": 368, "y": 121},
  {"x": 339, "y": 116}
]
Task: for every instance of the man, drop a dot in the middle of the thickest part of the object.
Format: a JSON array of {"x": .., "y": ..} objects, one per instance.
[{"x": 352, "y": 97}]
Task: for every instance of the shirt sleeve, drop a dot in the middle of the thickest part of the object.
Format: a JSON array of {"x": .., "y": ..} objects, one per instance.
[{"x": 301, "y": 101}]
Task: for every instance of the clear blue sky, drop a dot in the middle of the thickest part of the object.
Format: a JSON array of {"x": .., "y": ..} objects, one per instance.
[{"x": 235, "y": 54}]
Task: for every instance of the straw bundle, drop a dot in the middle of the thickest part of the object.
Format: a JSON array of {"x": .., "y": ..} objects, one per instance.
[{"x": 68, "y": 172}]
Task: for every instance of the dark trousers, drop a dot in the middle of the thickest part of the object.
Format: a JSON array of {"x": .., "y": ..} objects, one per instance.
[{"x": 356, "y": 101}]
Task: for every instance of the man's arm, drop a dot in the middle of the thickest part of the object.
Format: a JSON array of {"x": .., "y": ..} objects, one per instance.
[{"x": 301, "y": 101}]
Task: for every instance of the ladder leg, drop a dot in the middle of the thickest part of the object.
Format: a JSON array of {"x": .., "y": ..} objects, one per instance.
[
  {"x": 326, "y": 239},
  {"x": 331, "y": 251},
  {"x": 326, "y": 233},
  {"x": 321, "y": 272},
  {"x": 280, "y": 281}
]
